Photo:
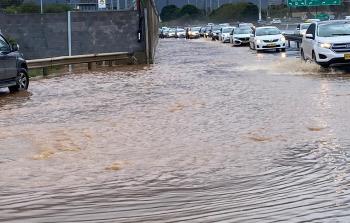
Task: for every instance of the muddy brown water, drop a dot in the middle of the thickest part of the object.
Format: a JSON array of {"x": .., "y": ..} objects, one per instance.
[{"x": 210, "y": 133}]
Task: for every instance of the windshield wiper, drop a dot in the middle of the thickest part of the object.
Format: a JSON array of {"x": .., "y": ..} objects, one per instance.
[{"x": 341, "y": 34}]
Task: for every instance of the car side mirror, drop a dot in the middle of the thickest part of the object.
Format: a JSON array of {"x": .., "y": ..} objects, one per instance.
[
  {"x": 15, "y": 47},
  {"x": 283, "y": 33},
  {"x": 309, "y": 36},
  {"x": 298, "y": 28}
]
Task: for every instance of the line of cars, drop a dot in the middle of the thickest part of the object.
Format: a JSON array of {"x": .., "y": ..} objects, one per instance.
[
  {"x": 326, "y": 43},
  {"x": 187, "y": 32},
  {"x": 257, "y": 38}
]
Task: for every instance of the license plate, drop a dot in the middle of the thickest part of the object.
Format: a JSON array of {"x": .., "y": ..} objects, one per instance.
[
  {"x": 347, "y": 56},
  {"x": 271, "y": 45}
]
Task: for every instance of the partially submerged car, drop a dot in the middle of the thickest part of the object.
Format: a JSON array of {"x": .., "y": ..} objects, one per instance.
[
  {"x": 301, "y": 29},
  {"x": 13, "y": 67},
  {"x": 194, "y": 32},
  {"x": 266, "y": 38},
  {"x": 240, "y": 36},
  {"x": 180, "y": 33},
  {"x": 327, "y": 43},
  {"x": 224, "y": 35}
]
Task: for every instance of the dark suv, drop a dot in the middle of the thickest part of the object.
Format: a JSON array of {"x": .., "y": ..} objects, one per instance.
[{"x": 13, "y": 67}]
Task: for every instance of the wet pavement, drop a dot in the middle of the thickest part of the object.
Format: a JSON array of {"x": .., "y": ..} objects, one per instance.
[{"x": 210, "y": 133}]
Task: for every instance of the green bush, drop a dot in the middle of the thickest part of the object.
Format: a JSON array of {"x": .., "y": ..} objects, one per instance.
[
  {"x": 190, "y": 11},
  {"x": 56, "y": 8},
  {"x": 34, "y": 8},
  {"x": 235, "y": 12},
  {"x": 170, "y": 12}
]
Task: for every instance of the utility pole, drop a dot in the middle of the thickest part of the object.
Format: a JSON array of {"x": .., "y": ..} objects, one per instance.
[
  {"x": 259, "y": 9},
  {"x": 118, "y": 5},
  {"x": 218, "y": 3},
  {"x": 126, "y": 4},
  {"x": 41, "y": 7}
]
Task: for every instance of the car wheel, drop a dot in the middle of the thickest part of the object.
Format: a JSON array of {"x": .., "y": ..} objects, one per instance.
[
  {"x": 302, "y": 55},
  {"x": 314, "y": 57},
  {"x": 22, "y": 82},
  {"x": 283, "y": 49}
]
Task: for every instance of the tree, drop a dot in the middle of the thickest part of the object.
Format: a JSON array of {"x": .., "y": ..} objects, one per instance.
[
  {"x": 8, "y": 3},
  {"x": 170, "y": 12},
  {"x": 190, "y": 10},
  {"x": 235, "y": 12},
  {"x": 250, "y": 12}
]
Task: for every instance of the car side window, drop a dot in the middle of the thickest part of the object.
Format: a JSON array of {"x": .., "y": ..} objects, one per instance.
[
  {"x": 4, "y": 47},
  {"x": 311, "y": 29}
]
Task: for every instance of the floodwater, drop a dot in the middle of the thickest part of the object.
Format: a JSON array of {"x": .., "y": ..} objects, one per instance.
[{"x": 210, "y": 133}]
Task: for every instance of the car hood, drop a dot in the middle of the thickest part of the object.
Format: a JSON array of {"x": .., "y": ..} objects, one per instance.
[
  {"x": 335, "y": 39},
  {"x": 269, "y": 37},
  {"x": 241, "y": 35}
]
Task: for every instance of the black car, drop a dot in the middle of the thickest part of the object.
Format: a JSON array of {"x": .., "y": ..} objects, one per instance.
[{"x": 13, "y": 67}]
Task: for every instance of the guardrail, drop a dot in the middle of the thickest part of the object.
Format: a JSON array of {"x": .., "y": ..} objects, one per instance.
[
  {"x": 90, "y": 59},
  {"x": 293, "y": 38}
]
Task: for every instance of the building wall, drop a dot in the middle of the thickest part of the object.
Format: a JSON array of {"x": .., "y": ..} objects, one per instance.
[{"x": 43, "y": 36}]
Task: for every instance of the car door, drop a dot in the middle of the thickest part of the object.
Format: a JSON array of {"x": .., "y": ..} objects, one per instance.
[
  {"x": 8, "y": 66},
  {"x": 308, "y": 42}
]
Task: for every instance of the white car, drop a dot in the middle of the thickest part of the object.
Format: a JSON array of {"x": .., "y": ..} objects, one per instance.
[
  {"x": 240, "y": 36},
  {"x": 171, "y": 33},
  {"x": 276, "y": 21},
  {"x": 180, "y": 33},
  {"x": 224, "y": 35},
  {"x": 268, "y": 37},
  {"x": 301, "y": 29},
  {"x": 194, "y": 32},
  {"x": 327, "y": 43}
]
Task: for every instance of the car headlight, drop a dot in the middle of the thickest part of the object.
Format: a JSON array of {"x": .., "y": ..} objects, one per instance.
[
  {"x": 258, "y": 41},
  {"x": 283, "y": 38},
  {"x": 325, "y": 45}
]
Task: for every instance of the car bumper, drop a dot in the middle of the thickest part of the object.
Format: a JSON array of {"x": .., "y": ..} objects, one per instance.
[
  {"x": 238, "y": 42},
  {"x": 275, "y": 45},
  {"x": 225, "y": 39},
  {"x": 330, "y": 58},
  {"x": 194, "y": 36}
]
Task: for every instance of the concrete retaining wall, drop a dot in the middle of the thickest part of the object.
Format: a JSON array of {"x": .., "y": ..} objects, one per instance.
[{"x": 42, "y": 36}]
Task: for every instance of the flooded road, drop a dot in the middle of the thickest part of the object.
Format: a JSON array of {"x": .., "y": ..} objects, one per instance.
[{"x": 210, "y": 133}]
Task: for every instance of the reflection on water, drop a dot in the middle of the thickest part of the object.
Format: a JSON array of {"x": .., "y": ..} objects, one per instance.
[{"x": 239, "y": 137}]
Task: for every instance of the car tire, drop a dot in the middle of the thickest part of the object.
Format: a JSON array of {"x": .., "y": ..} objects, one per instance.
[
  {"x": 302, "y": 54},
  {"x": 22, "y": 82},
  {"x": 283, "y": 49},
  {"x": 314, "y": 57}
]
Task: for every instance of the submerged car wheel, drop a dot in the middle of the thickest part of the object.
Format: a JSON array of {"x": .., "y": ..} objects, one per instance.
[
  {"x": 22, "y": 82},
  {"x": 302, "y": 55}
]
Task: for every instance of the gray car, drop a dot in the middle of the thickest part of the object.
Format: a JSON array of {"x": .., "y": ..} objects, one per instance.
[{"x": 13, "y": 67}]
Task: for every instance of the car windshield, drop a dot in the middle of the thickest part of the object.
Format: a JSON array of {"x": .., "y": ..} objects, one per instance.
[
  {"x": 305, "y": 26},
  {"x": 267, "y": 31},
  {"x": 180, "y": 30},
  {"x": 227, "y": 30},
  {"x": 334, "y": 29},
  {"x": 246, "y": 25},
  {"x": 243, "y": 31},
  {"x": 196, "y": 29}
]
